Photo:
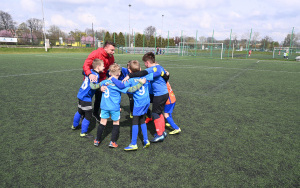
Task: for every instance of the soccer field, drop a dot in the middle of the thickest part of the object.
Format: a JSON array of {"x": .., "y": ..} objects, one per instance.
[{"x": 239, "y": 119}]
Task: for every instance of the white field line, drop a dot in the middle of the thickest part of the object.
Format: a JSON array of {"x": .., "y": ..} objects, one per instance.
[
  {"x": 30, "y": 74},
  {"x": 222, "y": 84}
]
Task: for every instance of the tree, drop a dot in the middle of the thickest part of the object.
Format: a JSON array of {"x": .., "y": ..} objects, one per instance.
[
  {"x": 5, "y": 33},
  {"x": 35, "y": 26},
  {"x": 6, "y": 21},
  {"x": 54, "y": 33},
  {"x": 121, "y": 38},
  {"x": 287, "y": 40},
  {"x": 149, "y": 31},
  {"x": 138, "y": 40},
  {"x": 151, "y": 42},
  {"x": 107, "y": 37},
  {"x": 266, "y": 42}
]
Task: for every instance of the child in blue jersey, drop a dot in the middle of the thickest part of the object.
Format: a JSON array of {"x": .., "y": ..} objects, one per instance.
[
  {"x": 124, "y": 73},
  {"x": 110, "y": 104},
  {"x": 140, "y": 107},
  {"x": 85, "y": 96},
  {"x": 160, "y": 92}
]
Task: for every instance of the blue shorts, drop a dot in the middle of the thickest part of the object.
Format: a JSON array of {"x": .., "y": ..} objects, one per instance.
[
  {"x": 169, "y": 108},
  {"x": 139, "y": 111},
  {"x": 115, "y": 115}
]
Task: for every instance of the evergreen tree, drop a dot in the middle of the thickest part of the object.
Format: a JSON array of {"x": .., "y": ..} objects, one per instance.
[{"x": 121, "y": 39}]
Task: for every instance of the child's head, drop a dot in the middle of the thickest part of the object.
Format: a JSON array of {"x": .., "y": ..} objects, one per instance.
[
  {"x": 98, "y": 65},
  {"x": 149, "y": 59},
  {"x": 115, "y": 70},
  {"x": 134, "y": 66}
]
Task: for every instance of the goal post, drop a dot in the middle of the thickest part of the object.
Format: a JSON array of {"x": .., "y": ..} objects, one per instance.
[
  {"x": 280, "y": 51},
  {"x": 201, "y": 49}
]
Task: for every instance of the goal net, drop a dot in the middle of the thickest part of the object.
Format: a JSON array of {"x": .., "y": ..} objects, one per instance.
[
  {"x": 282, "y": 52},
  {"x": 213, "y": 50}
]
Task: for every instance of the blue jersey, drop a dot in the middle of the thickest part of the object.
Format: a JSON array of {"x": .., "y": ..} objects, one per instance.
[
  {"x": 159, "y": 86},
  {"x": 111, "y": 98},
  {"x": 125, "y": 72},
  {"x": 85, "y": 92},
  {"x": 141, "y": 96}
]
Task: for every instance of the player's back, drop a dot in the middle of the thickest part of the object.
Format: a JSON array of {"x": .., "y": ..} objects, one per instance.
[{"x": 85, "y": 92}]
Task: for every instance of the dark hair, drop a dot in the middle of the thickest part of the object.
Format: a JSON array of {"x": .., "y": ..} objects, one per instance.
[
  {"x": 149, "y": 56},
  {"x": 109, "y": 43}
]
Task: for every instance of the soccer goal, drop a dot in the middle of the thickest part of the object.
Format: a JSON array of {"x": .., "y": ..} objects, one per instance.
[
  {"x": 285, "y": 51},
  {"x": 201, "y": 49}
]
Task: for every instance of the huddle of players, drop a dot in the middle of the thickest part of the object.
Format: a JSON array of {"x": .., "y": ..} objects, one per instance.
[{"x": 142, "y": 85}]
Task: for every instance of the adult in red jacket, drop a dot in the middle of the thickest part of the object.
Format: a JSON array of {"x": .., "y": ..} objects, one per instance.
[{"x": 106, "y": 54}]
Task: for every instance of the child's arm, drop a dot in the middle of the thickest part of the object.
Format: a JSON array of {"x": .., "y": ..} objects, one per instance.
[
  {"x": 138, "y": 86},
  {"x": 94, "y": 85},
  {"x": 118, "y": 83},
  {"x": 138, "y": 74}
]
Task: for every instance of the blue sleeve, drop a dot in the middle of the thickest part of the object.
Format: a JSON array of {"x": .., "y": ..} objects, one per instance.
[
  {"x": 118, "y": 83},
  {"x": 149, "y": 77},
  {"x": 156, "y": 70}
]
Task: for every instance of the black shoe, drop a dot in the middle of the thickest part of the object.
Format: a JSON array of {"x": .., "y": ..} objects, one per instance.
[{"x": 96, "y": 116}]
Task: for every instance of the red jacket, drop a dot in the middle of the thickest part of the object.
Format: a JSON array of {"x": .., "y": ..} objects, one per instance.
[{"x": 100, "y": 53}]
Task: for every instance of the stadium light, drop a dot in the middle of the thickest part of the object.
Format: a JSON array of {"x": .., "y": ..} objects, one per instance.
[{"x": 129, "y": 26}]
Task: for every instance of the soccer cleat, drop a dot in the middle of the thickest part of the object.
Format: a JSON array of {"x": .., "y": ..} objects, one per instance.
[
  {"x": 146, "y": 144},
  {"x": 131, "y": 147},
  {"x": 131, "y": 116},
  {"x": 148, "y": 120},
  {"x": 73, "y": 128},
  {"x": 176, "y": 131},
  {"x": 96, "y": 143},
  {"x": 86, "y": 135},
  {"x": 96, "y": 116},
  {"x": 158, "y": 138},
  {"x": 165, "y": 134},
  {"x": 168, "y": 125},
  {"x": 113, "y": 144}
]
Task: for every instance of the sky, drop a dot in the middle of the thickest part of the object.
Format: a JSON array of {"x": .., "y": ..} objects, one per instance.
[{"x": 218, "y": 18}]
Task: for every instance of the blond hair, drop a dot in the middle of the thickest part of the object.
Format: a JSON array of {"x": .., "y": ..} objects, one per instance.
[
  {"x": 97, "y": 62},
  {"x": 114, "y": 69},
  {"x": 134, "y": 65}
]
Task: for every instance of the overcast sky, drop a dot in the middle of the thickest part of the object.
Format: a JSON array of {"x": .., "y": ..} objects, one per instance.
[{"x": 275, "y": 18}]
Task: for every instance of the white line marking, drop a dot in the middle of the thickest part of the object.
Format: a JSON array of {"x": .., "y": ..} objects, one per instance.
[{"x": 39, "y": 73}]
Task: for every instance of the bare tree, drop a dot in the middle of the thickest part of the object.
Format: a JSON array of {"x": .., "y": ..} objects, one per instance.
[
  {"x": 35, "y": 26},
  {"x": 6, "y": 21},
  {"x": 149, "y": 31}
]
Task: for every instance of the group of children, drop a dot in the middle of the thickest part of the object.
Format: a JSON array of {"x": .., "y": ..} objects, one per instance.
[{"x": 142, "y": 87}]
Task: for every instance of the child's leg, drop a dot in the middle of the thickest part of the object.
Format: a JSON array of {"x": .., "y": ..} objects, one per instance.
[
  {"x": 86, "y": 121},
  {"x": 171, "y": 121},
  {"x": 101, "y": 128},
  {"x": 76, "y": 119},
  {"x": 144, "y": 127},
  {"x": 115, "y": 131}
]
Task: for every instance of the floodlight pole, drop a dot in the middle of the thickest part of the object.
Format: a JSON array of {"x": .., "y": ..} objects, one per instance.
[
  {"x": 129, "y": 26},
  {"x": 162, "y": 27},
  {"x": 44, "y": 26}
]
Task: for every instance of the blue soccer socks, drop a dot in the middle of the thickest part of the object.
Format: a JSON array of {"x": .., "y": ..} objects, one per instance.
[
  {"x": 76, "y": 119},
  {"x": 171, "y": 121},
  {"x": 135, "y": 132},
  {"x": 85, "y": 125}
]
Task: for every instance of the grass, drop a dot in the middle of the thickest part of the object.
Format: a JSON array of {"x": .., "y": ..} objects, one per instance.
[{"x": 239, "y": 120}]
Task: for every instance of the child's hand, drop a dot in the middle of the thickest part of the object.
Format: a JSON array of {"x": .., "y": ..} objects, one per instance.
[
  {"x": 103, "y": 88},
  {"x": 125, "y": 79},
  {"x": 167, "y": 73},
  {"x": 142, "y": 80},
  {"x": 93, "y": 78}
]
